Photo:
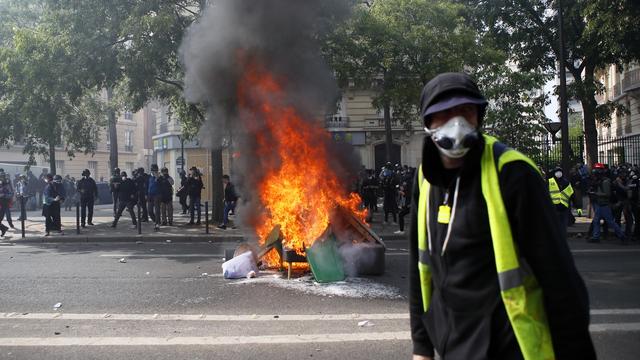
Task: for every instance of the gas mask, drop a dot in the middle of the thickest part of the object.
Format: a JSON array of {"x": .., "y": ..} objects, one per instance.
[
  {"x": 558, "y": 174},
  {"x": 455, "y": 138}
]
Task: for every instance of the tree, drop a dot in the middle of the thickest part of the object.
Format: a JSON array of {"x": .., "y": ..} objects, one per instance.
[
  {"x": 42, "y": 104},
  {"x": 597, "y": 32},
  {"x": 398, "y": 46}
]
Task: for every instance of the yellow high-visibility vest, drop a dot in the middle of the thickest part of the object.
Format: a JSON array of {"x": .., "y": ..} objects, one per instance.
[
  {"x": 519, "y": 289},
  {"x": 560, "y": 197}
]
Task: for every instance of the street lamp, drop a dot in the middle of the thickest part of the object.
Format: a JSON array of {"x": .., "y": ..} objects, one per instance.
[{"x": 553, "y": 128}]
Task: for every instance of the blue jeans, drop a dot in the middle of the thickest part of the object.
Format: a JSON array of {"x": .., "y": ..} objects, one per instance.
[
  {"x": 604, "y": 212},
  {"x": 228, "y": 207}
]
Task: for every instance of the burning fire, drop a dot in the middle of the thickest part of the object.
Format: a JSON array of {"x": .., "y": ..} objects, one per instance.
[{"x": 301, "y": 191}]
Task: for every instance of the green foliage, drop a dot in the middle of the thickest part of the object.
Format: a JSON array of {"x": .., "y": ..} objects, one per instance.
[{"x": 42, "y": 103}]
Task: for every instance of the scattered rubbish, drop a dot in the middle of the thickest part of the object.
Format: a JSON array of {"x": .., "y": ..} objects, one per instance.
[
  {"x": 155, "y": 316},
  {"x": 210, "y": 241},
  {"x": 276, "y": 316},
  {"x": 205, "y": 274},
  {"x": 67, "y": 326},
  {"x": 240, "y": 266},
  {"x": 152, "y": 249},
  {"x": 251, "y": 274},
  {"x": 106, "y": 316},
  {"x": 56, "y": 333},
  {"x": 57, "y": 306},
  {"x": 168, "y": 241},
  {"x": 254, "y": 316},
  {"x": 123, "y": 260},
  {"x": 366, "y": 323},
  {"x": 139, "y": 242},
  {"x": 25, "y": 313},
  {"x": 147, "y": 273}
]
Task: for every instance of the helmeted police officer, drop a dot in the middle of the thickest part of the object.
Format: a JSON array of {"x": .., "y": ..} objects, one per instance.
[
  {"x": 88, "y": 191},
  {"x": 127, "y": 194},
  {"x": 114, "y": 186}
]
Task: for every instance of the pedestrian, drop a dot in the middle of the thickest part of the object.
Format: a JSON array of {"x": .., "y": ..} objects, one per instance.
[
  {"x": 166, "y": 192},
  {"x": 194, "y": 190},
  {"x": 70, "y": 191},
  {"x": 6, "y": 197},
  {"x": 622, "y": 206},
  {"x": 114, "y": 186},
  {"x": 142, "y": 182},
  {"x": 600, "y": 193},
  {"x": 49, "y": 198},
  {"x": 127, "y": 194},
  {"x": 32, "y": 190},
  {"x": 404, "y": 205},
  {"x": 56, "y": 216},
  {"x": 182, "y": 192},
  {"x": 561, "y": 193},
  {"x": 88, "y": 191},
  {"x": 230, "y": 200},
  {"x": 22, "y": 196},
  {"x": 42, "y": 182},
  {"x": 390, "y": 200},
  {"x": 490, "y": 275},
  {"x": 154, "y": 196}
]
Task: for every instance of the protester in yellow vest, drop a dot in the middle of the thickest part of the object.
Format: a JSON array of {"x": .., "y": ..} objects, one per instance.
[
  {"x": 561, "y": 193},
  {"x": 491, "y": 276}
]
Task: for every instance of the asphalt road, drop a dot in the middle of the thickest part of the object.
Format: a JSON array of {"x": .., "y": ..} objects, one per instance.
[{"x": 169, "y": 301}]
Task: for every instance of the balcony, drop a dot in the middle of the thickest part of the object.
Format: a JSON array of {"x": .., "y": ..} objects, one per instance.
[
  {"x": 163, "y": 128},
  {"x": 631, "y": 80},
  {"x": 336, "y": 122},
  {"x": 128, "y": 148},
  {"x": 379, "y": 123}
]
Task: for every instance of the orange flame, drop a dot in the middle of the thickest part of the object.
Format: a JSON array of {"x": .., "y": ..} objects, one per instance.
[{"x": 301, "y": 191}]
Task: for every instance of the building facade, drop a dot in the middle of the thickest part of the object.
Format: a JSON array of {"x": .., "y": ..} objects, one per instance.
[{"x": 360, "y": 124}]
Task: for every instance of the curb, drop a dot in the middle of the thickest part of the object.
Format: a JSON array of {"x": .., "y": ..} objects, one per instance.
[{"x": 133, "y": 239}]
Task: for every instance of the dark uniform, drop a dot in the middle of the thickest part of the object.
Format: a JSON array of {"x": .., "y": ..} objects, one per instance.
[
  {"x": 88, "y": 191},
  {"x": 127, "y": 193},
  {"x": 142, "y": 181}
]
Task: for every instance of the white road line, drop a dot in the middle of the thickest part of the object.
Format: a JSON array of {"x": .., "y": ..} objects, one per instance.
[
  {"x": 161, "y": 255},
  {"x": 222, "y": 340},
  {"x": 201, "y": 317},
  {"x": 615, "y": 311},
  {"x": 598, "y": 328}
]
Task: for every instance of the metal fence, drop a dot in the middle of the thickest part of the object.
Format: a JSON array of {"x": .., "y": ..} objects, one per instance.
[{"x": 612, "y": 151}]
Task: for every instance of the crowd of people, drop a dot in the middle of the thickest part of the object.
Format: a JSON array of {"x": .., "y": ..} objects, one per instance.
[
  {"x": 393, "y": 184},
  {"x": 145, "y": 197}
]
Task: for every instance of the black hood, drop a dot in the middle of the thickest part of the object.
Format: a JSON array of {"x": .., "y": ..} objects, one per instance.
[{"x": 447, "y": 85}]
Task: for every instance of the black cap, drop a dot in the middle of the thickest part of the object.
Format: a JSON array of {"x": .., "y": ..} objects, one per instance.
[
  {"x": 448, "y": 90},
  {"x": 154, "y": 167}
]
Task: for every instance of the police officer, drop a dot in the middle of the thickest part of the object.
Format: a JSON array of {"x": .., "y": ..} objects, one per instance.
[
  {"x": 561, "y": 193},
  {"x": 127, "y": 194},
  {"x": 88, "y": 191},
  {"x": 114, "y": 186},
  {"x": 154, "y": 195},
  {"x": 141, "y": 179},
  {"x": 485, "y": 242},
  {"x": 600, "y": 194}
]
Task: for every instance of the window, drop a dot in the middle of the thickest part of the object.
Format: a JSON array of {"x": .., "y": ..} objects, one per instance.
[
  {"x": 60, "y": 167},
  {"x": 128, "y": 140},
  {"x": 92, "y": 166},
  {"x": 108, "y": 140},
  {"x": 128, "y": 115}
]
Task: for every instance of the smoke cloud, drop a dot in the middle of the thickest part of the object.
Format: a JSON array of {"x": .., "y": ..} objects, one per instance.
[{"x": 282, "y": 35}]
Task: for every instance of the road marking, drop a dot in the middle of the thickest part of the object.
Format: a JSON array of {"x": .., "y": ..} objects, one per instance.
[
  {"x": 598, "y": 328},
  {"x": 161, "y": 255},
  {"x": 615, "y": 312},
  {"x": 222, "y": 340},
  {"x": 202, "y": 317}
]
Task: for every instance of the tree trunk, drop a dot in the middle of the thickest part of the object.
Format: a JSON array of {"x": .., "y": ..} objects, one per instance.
[
  {"x": 386, "y": 108},
  {"x": 113, "y": 133},
  {"x": 217, "y": 191},
  {"x": 589, "y": 104},
  {"x": 52, "y": 157}
]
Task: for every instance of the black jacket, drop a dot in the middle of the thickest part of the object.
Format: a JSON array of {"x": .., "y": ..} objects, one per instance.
[
  {"x": 230, "y": 194},
  {"x": 466, "y": 318},
  {"x": 127, "y": 191},
  {"x": 87, "y": 188},
  {"x": 194, "y": 187}
]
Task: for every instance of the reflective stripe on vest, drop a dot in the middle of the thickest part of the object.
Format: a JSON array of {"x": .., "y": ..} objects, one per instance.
[
  {"x": 560, "y": 197},
  {"x": 521, "y": 294}
]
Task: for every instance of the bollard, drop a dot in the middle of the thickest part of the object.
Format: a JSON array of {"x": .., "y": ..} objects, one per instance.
[
  {"x": 23, "y": 214},
  {"x": 206, "y": 216},
  {"x": 78, "y": 218},
  {"x": 139, "y": 219}
]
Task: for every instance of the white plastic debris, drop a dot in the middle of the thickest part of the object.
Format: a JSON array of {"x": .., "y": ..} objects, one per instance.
[
  {"x": 106, "y": 316},
  {"x": 168, "y": 241},
  {"x": 152, "y": 249},
  {"x": 138, "y": 242},
  {"x": 147, "y": 273},
  {"x": 57, "y": 306},
  {"x": 366, "y": 323},
  {"x": 155, "y": 316},
  {"x": 205, "y": 274},
  {"x": 239, "y": 267},
  {"x": 123, "y": 260},
  {"x": 251, "y": 275}
]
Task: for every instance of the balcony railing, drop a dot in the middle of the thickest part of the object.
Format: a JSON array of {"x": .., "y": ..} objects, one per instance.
[
  {"x": 128, "y": 148},
  {"x": 631, "y": 80},
  {"x": 336, "y": 121}
]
